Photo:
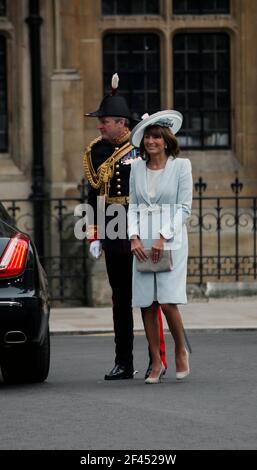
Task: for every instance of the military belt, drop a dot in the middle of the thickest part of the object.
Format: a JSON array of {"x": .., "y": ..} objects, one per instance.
[{"x": 117, "y": 200}]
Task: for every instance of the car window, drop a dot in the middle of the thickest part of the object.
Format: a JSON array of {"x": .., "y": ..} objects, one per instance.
[
  {"x": 3, "y": 244},
  {"x": 4, "y": 214},
  {"x": 6, "y": 231}
]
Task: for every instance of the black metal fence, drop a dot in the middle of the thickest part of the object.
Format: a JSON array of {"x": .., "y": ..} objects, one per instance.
[
  {"x": 222, "y": 231},
  {"x": 222, "y": 240},
  {"x": 65, "y": 257}
]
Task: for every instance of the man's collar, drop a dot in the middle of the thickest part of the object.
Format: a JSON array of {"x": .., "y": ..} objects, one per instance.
[{"x": 122, "y": 138}]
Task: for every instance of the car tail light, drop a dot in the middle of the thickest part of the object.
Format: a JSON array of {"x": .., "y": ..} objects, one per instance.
[{"x": 14, "y": 257}]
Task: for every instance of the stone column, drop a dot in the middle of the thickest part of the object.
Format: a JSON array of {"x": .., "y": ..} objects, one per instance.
[
  {"x": 66, "y": 102},
  {"x": 99, "y": 291},
  {"x": 249, "y": 91}
]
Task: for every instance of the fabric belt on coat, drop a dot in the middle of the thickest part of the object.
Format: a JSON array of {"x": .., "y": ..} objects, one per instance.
[{"x": 149, "y": 209}]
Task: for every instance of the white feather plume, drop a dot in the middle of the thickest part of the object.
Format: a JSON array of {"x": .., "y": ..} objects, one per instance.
[{"x": 115, "y": 81}]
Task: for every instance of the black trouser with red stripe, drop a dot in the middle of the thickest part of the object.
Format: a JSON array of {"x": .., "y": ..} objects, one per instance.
[{"x": 119, "y": 270}]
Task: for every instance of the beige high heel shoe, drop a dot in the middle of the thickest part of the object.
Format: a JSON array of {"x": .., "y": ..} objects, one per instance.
[
  {"x": 156, "y": 380},
  {"x": 185, "y": 373}
]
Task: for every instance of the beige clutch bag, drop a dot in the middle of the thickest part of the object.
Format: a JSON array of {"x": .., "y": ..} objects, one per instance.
[{"x": 148, "y": 266}]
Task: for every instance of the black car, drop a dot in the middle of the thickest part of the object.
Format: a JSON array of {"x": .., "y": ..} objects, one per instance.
[{"x": 24, "y": 307}]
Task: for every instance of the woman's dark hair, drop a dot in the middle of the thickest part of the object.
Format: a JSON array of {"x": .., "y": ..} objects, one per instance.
[{"x": 169, "y": 139}]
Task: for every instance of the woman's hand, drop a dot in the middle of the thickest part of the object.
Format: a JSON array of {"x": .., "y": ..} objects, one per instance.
[
  {"x": 157, "y": 249},
  {"x": 138, "y": 249}
]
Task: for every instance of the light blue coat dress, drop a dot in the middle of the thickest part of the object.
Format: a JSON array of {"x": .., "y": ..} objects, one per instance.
[{"x": 167, "y": 214}]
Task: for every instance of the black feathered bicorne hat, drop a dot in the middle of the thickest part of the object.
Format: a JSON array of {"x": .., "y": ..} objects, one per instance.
[{"x": 112, "y": 105}]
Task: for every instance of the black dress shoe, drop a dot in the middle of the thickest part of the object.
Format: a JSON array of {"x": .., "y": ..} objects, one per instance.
[
  {"x": 149, "y": 370},
  {"x": 119, "y": 373}
]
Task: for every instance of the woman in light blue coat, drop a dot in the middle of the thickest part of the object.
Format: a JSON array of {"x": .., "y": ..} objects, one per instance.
[{"x": 160, "y": 204}]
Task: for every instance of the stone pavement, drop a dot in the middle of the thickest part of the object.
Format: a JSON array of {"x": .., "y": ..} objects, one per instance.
[{"x": 213, "y": 314}]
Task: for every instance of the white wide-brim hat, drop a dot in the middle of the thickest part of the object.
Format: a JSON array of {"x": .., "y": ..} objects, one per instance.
[{"x": 169, "y": 118}]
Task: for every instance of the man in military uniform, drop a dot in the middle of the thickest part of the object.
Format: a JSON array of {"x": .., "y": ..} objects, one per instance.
[{"x": 107, "y": 163}]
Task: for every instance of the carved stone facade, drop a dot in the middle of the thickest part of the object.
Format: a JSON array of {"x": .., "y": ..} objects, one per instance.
[{"x": 72, "y": 33}]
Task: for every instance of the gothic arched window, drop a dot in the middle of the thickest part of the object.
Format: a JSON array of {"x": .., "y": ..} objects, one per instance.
[
  {"x": 201, "y": 77},
  {"x": 136, "y": 58},
  {"x": 130, "y": 7},
  {"x": 200, "y": 7}
]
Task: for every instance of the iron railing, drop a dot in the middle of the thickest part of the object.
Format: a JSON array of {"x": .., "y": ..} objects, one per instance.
[
  {"x": 65, "y": 257},
  {"x": 222, "y": 231},
  {"x": 222, "y": 239}
]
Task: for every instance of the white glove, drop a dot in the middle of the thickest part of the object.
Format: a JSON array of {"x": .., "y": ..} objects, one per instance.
[{"x": 96, "y": 249}]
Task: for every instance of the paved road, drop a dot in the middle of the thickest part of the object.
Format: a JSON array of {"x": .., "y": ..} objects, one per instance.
[{"x": 75, "y": 409}]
